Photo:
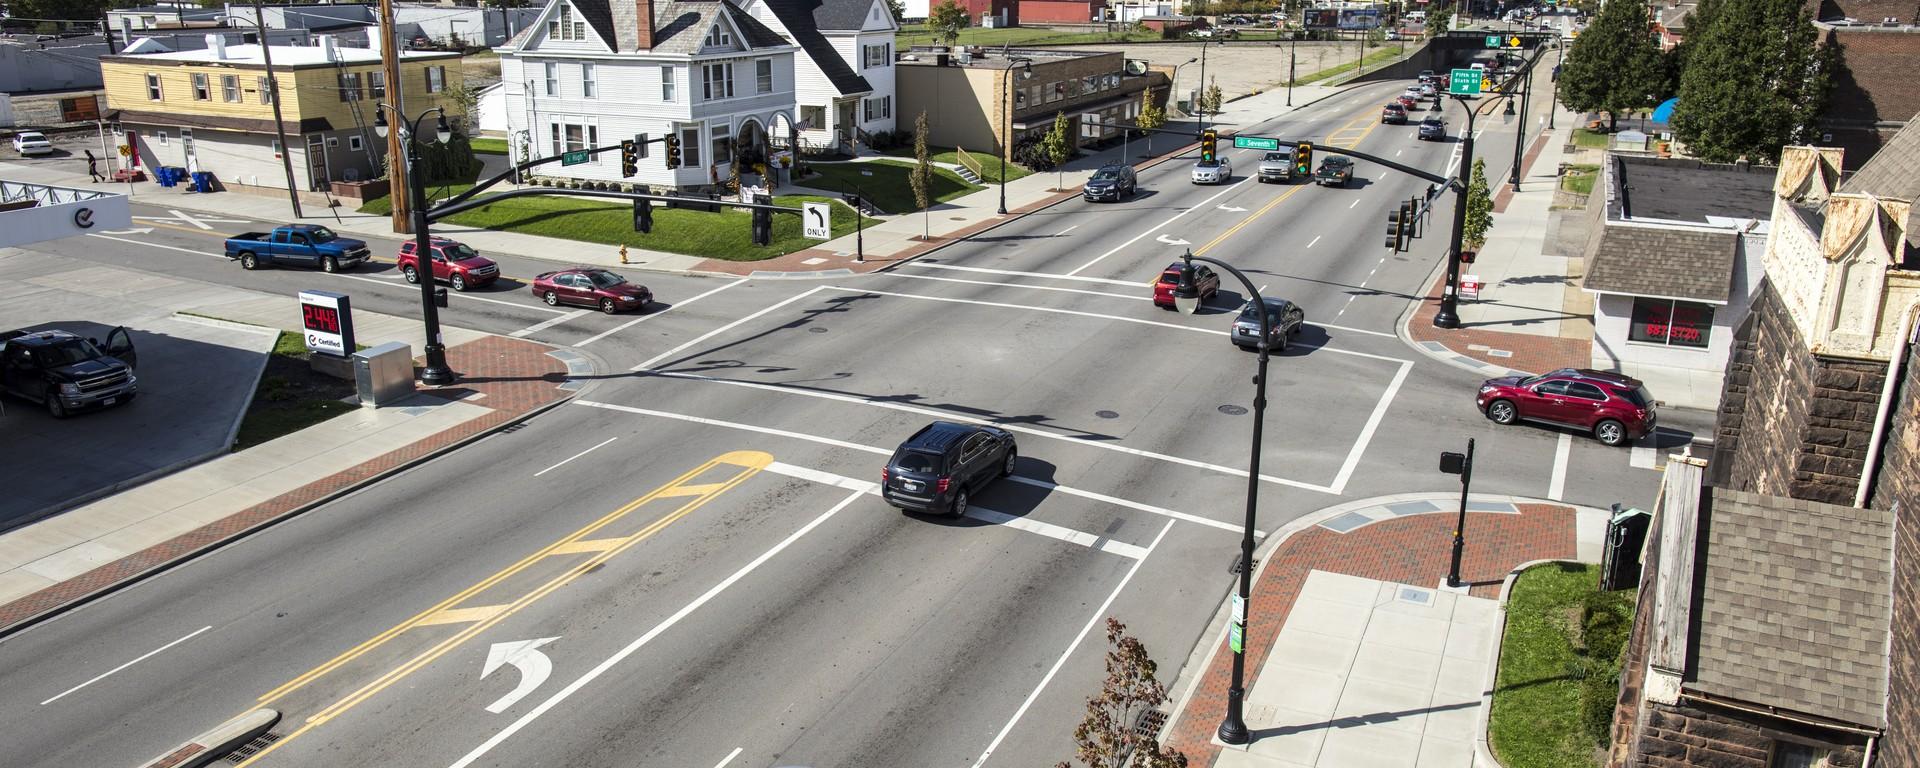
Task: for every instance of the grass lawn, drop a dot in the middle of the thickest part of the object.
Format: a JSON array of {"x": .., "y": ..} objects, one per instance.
[
  {"x": 988, "y": 163},
  {"x": 290, "y": 396},
  {"x": 726, "y": 235},
  {"x": 1586, "y": 139},
  {"x": 888, "y": 188},
  {"x": 1384, "y": 53},
  {"x": 1579, "y": 178},
  {"x": 488, "y": 146},
  {"x": 1559, "y": 667}
]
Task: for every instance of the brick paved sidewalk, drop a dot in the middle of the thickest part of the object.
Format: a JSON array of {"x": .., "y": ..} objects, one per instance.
[
  {"x": 1525, "y": 353},
  {"x": 1404, "y": 548},
  {"x": 512, "y": 377}
]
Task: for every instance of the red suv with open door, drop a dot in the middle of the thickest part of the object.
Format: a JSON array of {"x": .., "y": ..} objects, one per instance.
[{"x": 1617, "y": 409}]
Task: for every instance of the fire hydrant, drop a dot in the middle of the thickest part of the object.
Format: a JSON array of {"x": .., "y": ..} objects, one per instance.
[{"x": 623, "y": 253}]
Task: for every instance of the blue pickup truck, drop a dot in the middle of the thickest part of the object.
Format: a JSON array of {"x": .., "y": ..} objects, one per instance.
[{"x": 297, "y": 245}]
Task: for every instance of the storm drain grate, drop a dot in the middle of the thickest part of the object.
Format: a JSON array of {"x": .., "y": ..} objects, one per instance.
[
  {"x": 1149, "y": 725},
  {"x": 514, "y": 427},
  {"x": 252, "y": 748}
]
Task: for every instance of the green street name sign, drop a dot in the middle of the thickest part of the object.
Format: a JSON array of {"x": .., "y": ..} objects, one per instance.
[
  {"x": 1464, "y": 82},
  {"x": 1255, "y": 142},
  {"x": 1493, "y": 41},
  {"x": 575, "y": 157},
  {"x": 1236, "y": 638}
]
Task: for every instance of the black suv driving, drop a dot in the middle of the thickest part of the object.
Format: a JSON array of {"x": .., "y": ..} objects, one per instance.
[
  {"x": 937, "y": 468},
  {"x": 1110, "y": 182}
]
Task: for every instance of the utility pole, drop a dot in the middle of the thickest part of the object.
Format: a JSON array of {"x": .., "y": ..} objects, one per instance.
[
  {"x": 1449, "y": 314},
  {"x": 397, "y": 170},
  {"x": 279, "y": 123},
  {"x": 1520, "y": 141}
]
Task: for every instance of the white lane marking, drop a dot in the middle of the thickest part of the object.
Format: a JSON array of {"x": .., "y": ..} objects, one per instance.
[
  {"x": 729, "y": 758},
  {"x": 143, "y": 657},
  {"x": 1016, "y": 273},
  {"x": 1098, "y": 614},
  {"x": 602, "y": 444},
  {"x": 1396, "y": 153},
  {"x": 644, "y": 318},
  {"x": 878, "y": 451},
  {"x": 1557, "y": 487},
  {"x": 1316, "y": 238},
  {"x": 1351, "y": 205},
  {"x": 1643, "y": 457},
  {"x": 1049, "y": 530},
  {"x": 722, "y": 329},
  {"x": 1021, "y": 285},
  {"x": 950, "y": 416},
  {"x": 467, "y": 296},
  {"x": 545, "y": 324},
  {"x": 145, "y": 244},
  {"x": 1064, "y": 231},
  {"x": 1155, "y": 228},
  {"x": 659, "y": 629},
  {"x": 1366, "y": 433}
]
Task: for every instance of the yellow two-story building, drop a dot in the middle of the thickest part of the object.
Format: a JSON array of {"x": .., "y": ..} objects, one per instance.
[{"x": 211, "y": 110}]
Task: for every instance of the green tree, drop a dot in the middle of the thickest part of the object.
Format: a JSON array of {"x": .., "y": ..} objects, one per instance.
[
  {"x": 1479, "y": 207},
  {"x": 947, "y": 19},
  {"x": 1211, "y": 99},
  {"x": 1151, "y": 117},
  {"x": 922, "y": 176},
  {"x": 898, "y": 8},
  {"x": 1615, "y": 65},
  {"x": 84, "y": 11},
  {"x": 1058, "y": 146},
  {"x": 1754, "y": 80},
  {"x": 1106, "y": 738}
]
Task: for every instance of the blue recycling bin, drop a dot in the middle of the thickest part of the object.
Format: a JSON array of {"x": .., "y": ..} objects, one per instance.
[
  {"x": 163, "y": 176},
  {"x": 203, "y": 181}
]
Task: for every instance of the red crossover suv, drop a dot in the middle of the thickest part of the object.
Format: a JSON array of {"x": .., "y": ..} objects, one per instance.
[
  {"x": 591, "y": 287},
  {"x": 1615, "y": 408},
  {"x": 1204, "y": 283},
  {"x": 453, "y": 261}
]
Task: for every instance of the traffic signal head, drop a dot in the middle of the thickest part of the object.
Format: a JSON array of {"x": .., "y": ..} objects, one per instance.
[
  {"x": 643, "y": 216},
  {"x": 1395, "y": 230},
  {"x": 628, "y": 159},
  {"x": 1404, "y": 233},
  {"x": 1303, "y": 159},
  {"x": 1209, "y": 142},
  {"x": 673, "y": 151}
]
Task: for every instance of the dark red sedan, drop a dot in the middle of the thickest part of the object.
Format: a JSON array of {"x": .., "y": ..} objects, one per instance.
[
  {"x": 1615, "y": 408},
  {"x": 1203, "y": 283},
  {"x": 591, "y": 287}
]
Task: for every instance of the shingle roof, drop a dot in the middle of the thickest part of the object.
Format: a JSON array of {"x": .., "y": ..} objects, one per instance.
[
  {"x": 1894, "y": 172},
  {"x": 1662, "y": 261},
  {"x": 1674, "y": 189},
  {"x": 806, "y": 18},
  {"x": 599, "y": 15},
  {"x": 680, "y": 26},
  {"x": 1794, "y": 608}
]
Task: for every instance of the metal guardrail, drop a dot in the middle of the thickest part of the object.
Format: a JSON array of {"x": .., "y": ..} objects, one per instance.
[{"x": 46, "y": 194}]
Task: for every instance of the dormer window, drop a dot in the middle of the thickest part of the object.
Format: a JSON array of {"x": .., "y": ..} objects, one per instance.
[
  {"x": 566, "y": 27},
  {"x": 717, "y": 37}
]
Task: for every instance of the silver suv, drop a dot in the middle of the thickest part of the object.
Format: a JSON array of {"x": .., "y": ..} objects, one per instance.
[{"x": 1275, "y": 166}]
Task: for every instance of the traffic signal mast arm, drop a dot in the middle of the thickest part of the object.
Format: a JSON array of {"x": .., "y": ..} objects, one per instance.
[
  {"x": 514, "y": 172},
  {"x": 1406, "y": 169}
]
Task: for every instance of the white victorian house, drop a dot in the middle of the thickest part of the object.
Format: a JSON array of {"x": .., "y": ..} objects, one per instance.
[
  {"x": 844, "y": 76},
  {"x": 591, "y": 73}
]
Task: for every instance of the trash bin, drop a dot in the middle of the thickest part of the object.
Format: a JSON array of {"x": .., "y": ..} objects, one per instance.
[
  {"x": 203, "y": 181},
  {"x": 383, "y": 375},
  {"x": 163, "y": 176}
]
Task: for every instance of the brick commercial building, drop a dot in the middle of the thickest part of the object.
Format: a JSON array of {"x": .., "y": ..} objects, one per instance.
[
  {"x": 1062, "y": 11},
  {"x": 1875, "y": 45},
  {"x": 967, "y": 95}
]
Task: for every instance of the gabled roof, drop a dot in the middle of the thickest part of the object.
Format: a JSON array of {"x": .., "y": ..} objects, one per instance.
[
  {"x": 680, "y": 26},
  {"x": 1894, "y": 172},
  {"x": 599, "y": 15},
  {"x": 806, "y": 19}
]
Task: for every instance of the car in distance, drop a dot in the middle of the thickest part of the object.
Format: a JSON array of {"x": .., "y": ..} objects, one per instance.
[
  {"x": 297, "y": 245},
  {"x": 1409, "y": 102},
  {"x": 591, "y": 287},
  {"x": 1283, "y": 317},
  {"x": 942, "y": 465},
  {"x": 67, "y": 373},
  {"x": 1426, "y": 90},
  {"x": 1393, "y": 114},
  {"x": 1111, "y": 182},
  {"x": 1177, "y": 281},
  {"x": 1334, "y": 170},
  {"x": 1274, "y": 166},
  {"x": 454, "y": 262},
  {"x": 32, "y": 143},
  {"x": 1615, "y": 408},
  {"x": 1432, "y": 129},
  {"x": 1216, "y": 172}
]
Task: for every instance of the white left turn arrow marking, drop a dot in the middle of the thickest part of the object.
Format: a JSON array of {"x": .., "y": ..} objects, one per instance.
[
  {"x": 525, "y": 654},
  {"x": 1232, "y": 208},
  {"x": 1172, "y": 240}
]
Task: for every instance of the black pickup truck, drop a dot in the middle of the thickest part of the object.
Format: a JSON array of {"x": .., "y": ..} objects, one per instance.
[
  {"x": 66, "y": 372},
  {"x": 1334, "y": 170}
]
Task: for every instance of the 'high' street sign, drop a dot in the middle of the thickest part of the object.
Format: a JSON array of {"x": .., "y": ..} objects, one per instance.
[{"x": 575, "y": 157}]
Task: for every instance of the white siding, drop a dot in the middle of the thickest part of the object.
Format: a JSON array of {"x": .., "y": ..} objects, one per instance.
[{"x": 881, "y": 78}]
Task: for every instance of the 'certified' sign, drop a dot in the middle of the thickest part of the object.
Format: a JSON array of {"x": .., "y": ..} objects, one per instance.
[
  {"x": 83, "y": 218},
  {"x": 327, "y": 318}
]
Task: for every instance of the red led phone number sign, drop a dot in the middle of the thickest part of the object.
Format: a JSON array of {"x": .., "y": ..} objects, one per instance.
[{"x": 1675, "y": 332}]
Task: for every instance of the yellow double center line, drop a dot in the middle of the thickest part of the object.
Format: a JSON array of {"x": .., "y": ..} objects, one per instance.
[
  {"x": 479, "y": 618},
  {"x": 1342, "y": 143}
]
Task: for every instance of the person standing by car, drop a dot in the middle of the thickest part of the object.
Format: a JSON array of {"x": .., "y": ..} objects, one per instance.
[{"x": 93, "y": 168}]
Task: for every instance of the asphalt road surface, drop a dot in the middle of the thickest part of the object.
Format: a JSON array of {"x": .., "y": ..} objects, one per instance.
[{"x": 688, "y": 566}]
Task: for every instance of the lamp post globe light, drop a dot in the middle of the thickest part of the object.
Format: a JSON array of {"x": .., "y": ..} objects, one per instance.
[
  {"x": 1006, "y": 138},
  {"x": 435, "y": 373}
]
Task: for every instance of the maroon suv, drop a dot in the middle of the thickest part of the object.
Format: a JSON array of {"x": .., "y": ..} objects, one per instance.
[{"x": 1615, "y": 408}]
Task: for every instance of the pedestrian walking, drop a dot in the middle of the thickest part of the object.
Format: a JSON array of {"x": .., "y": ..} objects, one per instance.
[{"x": 93, "y": 168}]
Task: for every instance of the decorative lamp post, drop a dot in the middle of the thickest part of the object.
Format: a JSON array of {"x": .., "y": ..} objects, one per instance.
[
  {"x": 435, "y": 373},
  {"x": 1006, "y": 138}
]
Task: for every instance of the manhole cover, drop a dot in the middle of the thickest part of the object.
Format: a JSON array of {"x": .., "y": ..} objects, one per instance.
[
  {"x": 1233, "y": 410},
  {"x": 816, "y": 329},
  {"x": 1106, "y": 414}
]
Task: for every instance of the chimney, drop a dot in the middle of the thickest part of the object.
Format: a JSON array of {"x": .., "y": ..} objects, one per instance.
[
  {"x": 645, "y": 24},
  {"x": 218, "y": 45},
  {"x": 327, "y": 50}
]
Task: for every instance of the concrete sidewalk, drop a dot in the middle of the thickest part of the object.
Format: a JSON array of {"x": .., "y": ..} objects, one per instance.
[{"x": 1357, "y": 656}]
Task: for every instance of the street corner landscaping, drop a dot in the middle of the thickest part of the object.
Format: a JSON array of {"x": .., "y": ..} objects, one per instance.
[
  {"x": 1578, "y": 178},
  {"x": 990, "y": 166},
  {"x": 1559, "y": 675},
  {"x": 291, "y": 396},
  {"x": 884, "y": 183}
]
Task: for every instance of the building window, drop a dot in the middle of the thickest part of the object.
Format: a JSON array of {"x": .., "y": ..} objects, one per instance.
[
  {"x": 353, "y": 143},
  {"x": 153, "y": 86},
  {"x": 722, "y": 145},
  {"x": 586, "y": 80},
  {"x": 229, "y": 87},
  {"x": 436, "y": 79},
  {"x": 717, "y": 37},
  {"x": 667, "y": 94},
  {"x": 1790, "y": 755},
  {"x": 880, "y": 108},
  {"x": 266, "y": 90},
  {"x": 1672, "y": 323},
  {"x": 763, "y": 75},
  {"x": 876, "y": 55},
  {"x": 160, "y": 137},
  {"x": 566, "y": 27},
  {"x": 200, "y": 89},
  {"x": 553, "y": 78},
  {"x": 276, "y": 147},
  {"x": 814, "y": 117},
  {"x": 350, "y": 86},
  {"x": 377, "y": 85},
  {"x": 690, "y": 147},
  {"x": 717, "y": 81},
  {"x": 573, "y": 137}
]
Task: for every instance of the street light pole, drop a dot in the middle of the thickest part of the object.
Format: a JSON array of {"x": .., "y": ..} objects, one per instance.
[
  {"x": 1006, "y": 137},
  {"x": 1520, "y": 141},
  {"x": 1293, "y": 58},
  {"x": 1449, "y": 314},
  {"x": 1200, "y": 101},
  {"x": 1453, "y": 463},
  {"x": 436, "y": 372},
  {"x": 1560, "y": 55}
]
